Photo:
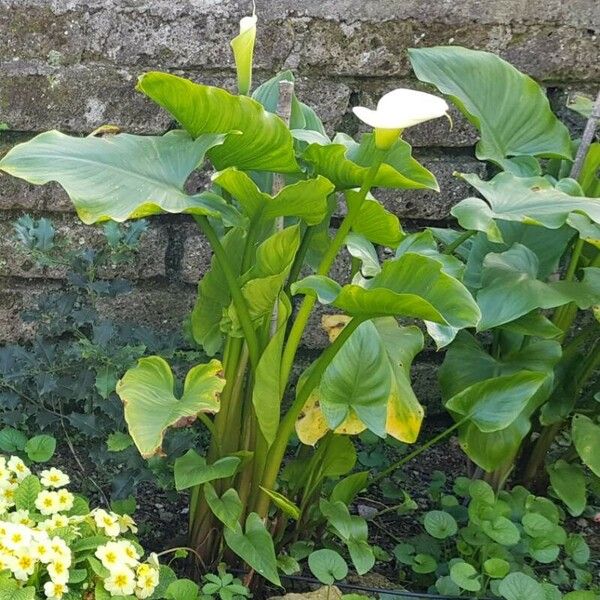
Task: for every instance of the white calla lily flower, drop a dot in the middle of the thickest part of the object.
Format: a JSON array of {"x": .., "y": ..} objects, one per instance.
[
  {"x": 398, "y": 110},
  {"x": 243, "y": 52}
]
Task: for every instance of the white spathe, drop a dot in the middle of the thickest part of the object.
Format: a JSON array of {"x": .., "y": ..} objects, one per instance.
[
  {"x": 248, "y": 23},
  {"x": 402, "y": 108}
]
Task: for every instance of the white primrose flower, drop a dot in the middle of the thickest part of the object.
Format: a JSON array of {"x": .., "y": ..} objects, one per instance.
[
  {"x": 65, "y": 500},
  {"x": 55, "y": 591},
  {"x": 121, "y": 582},
  {"x": 129, "y": 554},
  {"x": 58, "y": 570},
  {"x": 16, "y": 536},
  {"x": 147, "y": 581},
  {"x": 397, "y": 110},
  {"x": 109, "y": 522},
  {"x": 54, "y": 478},
  {"x": 18, "y": 467},
  {"x": 110, "y": 555},
  {"x": 23, "y": 564},
  {"x": 126, "y": 523},
  {"x": 47, "y": 502}
]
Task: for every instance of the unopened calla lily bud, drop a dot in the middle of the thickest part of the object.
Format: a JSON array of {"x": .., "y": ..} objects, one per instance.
[
  {"x": 243, "y": 51},
  {"x": 398, "y": 110}
]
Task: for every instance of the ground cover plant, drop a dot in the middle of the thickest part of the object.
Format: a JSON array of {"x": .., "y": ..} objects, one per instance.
[
  {"x": 63, "y": 382},
  {"x": 482, "y": 292}
]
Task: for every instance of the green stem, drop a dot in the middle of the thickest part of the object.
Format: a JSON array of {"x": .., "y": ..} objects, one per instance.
[
  {"x": 565, "y": 315},
  {"x": 440, "y": 436},
  {"x": 450, "y": 248},
  {"x": 277, "y": 451},
  {"x": 300, "y": 256},
  {"x": 236, "y": 293},
  {"x": 295, "y": 335}
]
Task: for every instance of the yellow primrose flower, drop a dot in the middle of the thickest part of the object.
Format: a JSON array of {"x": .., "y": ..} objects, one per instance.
[
  {"x": 126, "y": 523},
  {"x": 147, "y": 581},
  {"x": 60, "y": 549},
  {"x": 42, "y": 550},
  {"x": 18, "y": 467},
  {"x": 107, "y": 521},
  {"x": 65, "y": 500},
  {"x": 110, "y": 555},
  {"x": 54, "y": 478},
  {"x": 58, "y": 570},
  {"x": 16, "y": 536},
  {"x": 21, "y": 517},
  {"x": 47, "y": 502},
  {"x": 54, "y": 590},
  {"x": 23, "y": 565},
  {"x": 397, "y": 110},
  {"x": 128, "y": 552},
  {"x": 120, "y": 582}
]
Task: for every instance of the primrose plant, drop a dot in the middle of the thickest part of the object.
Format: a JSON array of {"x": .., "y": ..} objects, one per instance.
[{"x": 267, "y": 216}]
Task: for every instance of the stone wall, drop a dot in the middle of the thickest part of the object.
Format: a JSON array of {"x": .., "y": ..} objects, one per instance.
[{"x": 72, "y": 65}]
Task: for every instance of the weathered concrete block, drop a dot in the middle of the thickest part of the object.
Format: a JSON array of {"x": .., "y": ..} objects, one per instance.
[
  {"x": 424, "y": 204},
  {"x": 147, "y": 263},
  {"x": 154, "y": 305}
]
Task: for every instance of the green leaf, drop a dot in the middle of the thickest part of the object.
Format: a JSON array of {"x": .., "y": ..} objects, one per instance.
[
  {"x": 358, "y": 380},
  {"x": 27, "y": 493},
  {"x": 346, "y": 163},
  {"x": 124, "y": 506},
  {"x": 518, "y": 586},
  {"x": 214, "y": 297},
  {"x": 264, "y": 142},
  {"x": 411, "y": 285},
  {"x": 228, "y": 508},
  {"x": 151, "y": 407},
  {"x": 522, "y": 123},
  {"x": 26, "y": 593},
  {"x": 586, "y": 438},
  {"x": 182, "y": 589},
  {"x": 191, "y": 469},
  {"x": 493, "y": 404},
  {"x": 12, "y": 440},
  {"x": 423, "y": 564},
  {"x": 302, "y": 117},
  {"x": 40, "y": 448},
  {"x": 588, "y": 230},
  {"x": 268, "y": 388},
  {"x": 580, "y": 595},
  {"x": 465, "y": 576},
  {"x": 346, "y": 489},
  {"x": 501, "y": 530},
  {"x": 576, "y": 547},
  {"x": 266, "y": 278},
  {"x": 305, "y": 199},
  {"x": 511, "y": 288},
  {"x": 360, "y": 248},
  {"x": 123, "y": 176},
  {"x": 106, "y": 380},
  {"x": 398, "y": 414},
  {"x": 255, "y": 547},
  {"x": 440, "y": 524},
  {"x": 377, "y": 224},
  {"x": 353, "y": 530},
  {"x": 467, "y": 363},
  {"x": 537, "y": 525},
  {"x": 283, "y": 503},
  {"x": 327, "y": 566},
  {"x": 568, "y": 481},
  {"x": 118, "y": 441},
  {"x": 496, "y": 567},
  {"x": 530, "y": 200}
]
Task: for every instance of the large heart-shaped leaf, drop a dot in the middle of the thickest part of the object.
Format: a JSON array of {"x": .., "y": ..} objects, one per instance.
[
  {"x": 568, "y": 482},
  {"x": 467, "y": 363},
  {"x": 306, "y": 199},
  {"x": 398, "y": 414},
  {"x": 346, "y": 163},
  {"x": 213, "y": 297},
  {"x": 411, "y": 285},
  {"x": 254, "y": 546},
  {"x": 358, "y": 379},
  {"x": 510, "y": 110},
  {"x": 510, "y": 288},
  {"x": 530, "y": 200},
  {"x": 377, "y": 224},
  {"x": 493, "y": 404},
  {"x": 265, "y": 280},
  {"x": 264, "y": 142},
  {"x": 151, "y": 407},
  {"x": 191, "y": 469},
  {"x": 122, "y": 176}
]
